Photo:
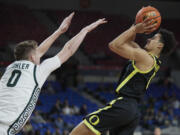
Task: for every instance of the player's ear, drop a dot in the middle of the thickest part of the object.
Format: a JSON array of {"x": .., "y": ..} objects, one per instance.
[{"x": 32, "y": 57}]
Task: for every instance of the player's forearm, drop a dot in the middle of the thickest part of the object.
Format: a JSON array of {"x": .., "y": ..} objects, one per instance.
[
  {"x": 46, "y": 44},
  {"x": 127, "y": 36},
  {"x": 75, "y": 42},
  {"x": 71, "y": 46}
]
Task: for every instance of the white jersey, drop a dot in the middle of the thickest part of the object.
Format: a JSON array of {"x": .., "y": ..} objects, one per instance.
[{"x": 19, "y": 90}]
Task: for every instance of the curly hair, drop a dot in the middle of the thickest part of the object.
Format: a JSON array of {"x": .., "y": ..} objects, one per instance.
[{"x": 169, "y": 41}]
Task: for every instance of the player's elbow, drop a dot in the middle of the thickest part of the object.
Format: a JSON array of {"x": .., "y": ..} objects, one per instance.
[
  {"x": 70, "y": 50},
  {"x": 114, "y": 46},
  {"x": 111, "y": 45}
]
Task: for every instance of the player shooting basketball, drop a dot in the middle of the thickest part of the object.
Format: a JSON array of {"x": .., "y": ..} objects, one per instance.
[{"x": 121, "y": 116}]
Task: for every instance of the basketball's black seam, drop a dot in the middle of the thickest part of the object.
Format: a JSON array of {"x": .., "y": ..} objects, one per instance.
[
  {"x": 148, "y": 11},
  {"x": 156, "y": 17}
]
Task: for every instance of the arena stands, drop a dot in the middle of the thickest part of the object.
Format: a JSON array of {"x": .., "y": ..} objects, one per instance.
[
  {"x": 160, "y": 107},
  {"x": 59, "y": 109},
  {"x": 18, "y": 23}
]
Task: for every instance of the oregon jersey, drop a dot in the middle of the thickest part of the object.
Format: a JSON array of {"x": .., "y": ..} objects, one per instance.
[
  {"x": 134, "y": 82},
  {"x": 121, "y": 116}
]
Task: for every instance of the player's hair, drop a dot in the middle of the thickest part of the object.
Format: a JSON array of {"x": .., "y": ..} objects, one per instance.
[
  {"x": 22, "y": 50},
  {"x": 169, "y": 41}
]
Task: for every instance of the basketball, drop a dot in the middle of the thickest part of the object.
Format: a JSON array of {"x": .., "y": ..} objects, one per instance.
[{"x": 150, "y": 12}]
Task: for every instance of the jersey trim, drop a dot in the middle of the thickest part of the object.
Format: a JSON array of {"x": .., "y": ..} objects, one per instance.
[
  {"x": 156, "y": 69},
  {"x": 91, "y": 127},
  {"x": 108, "y": 106},
  {"x": 91, "y": 124},
  {"x": 147, "y": 71},
  {"x": 23, "y": 117},
  {"x": 136, "y": 70},
  {"x": 126, "y": 80}
]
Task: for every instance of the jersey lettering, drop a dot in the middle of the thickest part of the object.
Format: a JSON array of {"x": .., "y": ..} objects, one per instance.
[
  {"x": 21, "y": 66},
  {"x": 14, "y": 78}
]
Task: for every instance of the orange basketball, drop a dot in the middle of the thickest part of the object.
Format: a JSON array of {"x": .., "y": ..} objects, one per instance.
[{"x": 150, "y": 12}]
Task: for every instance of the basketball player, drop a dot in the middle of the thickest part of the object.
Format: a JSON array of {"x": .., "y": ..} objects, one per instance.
[
  {"x": 21, "y": 83},
  {"x": 121, "y": 116}
]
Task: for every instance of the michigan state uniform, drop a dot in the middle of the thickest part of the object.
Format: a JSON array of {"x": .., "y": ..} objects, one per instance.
[
  {"x": 121, "y": 116},
  {"x": 19, "y": 90}
]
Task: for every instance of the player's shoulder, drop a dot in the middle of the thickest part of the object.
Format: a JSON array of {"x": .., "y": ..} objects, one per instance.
[
  {"x": 142, "y": 55},
  {"x": 145, "y": 58}
]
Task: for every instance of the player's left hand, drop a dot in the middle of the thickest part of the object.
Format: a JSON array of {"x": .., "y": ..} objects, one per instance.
[
  {"x": 66, "y": 23},
  {"x": 92, "y": 26}
]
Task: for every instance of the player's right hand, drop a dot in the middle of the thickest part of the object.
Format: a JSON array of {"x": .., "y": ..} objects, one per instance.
[
  {"x": 145, "y": 27},
  {"x": 94, "y": 25},
  {"x": 66, "y": 23}
]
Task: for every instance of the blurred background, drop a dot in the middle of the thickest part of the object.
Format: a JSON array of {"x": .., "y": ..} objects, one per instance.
[{"x": 88, "y": 80}]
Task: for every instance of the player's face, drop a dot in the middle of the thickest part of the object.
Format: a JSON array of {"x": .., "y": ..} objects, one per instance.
[{"x": 152, "y": 43}]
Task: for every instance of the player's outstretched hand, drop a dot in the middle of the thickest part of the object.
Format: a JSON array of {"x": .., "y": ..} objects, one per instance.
[
  {"x": 92, "y": 26},
  {"x": 66, "y": 23},
  {"x": 145, "y": 27}
]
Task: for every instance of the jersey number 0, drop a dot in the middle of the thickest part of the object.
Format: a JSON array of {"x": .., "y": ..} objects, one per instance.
[{"x": 14, "y": 78}]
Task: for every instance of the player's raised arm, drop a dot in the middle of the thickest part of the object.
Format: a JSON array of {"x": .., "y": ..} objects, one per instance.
[
  {"x": 46, "y": 44},
  {"x": 72, "y": 45},
  {"x": 125, "y": 46},
  {"x": 51, "y": 64}
]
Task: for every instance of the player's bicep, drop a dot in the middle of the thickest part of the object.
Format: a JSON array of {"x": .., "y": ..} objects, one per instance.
[
  {"x": 48, "y": 66},
  {"x": 130, "y": 50},
  {"x": 124, "y": 52}
]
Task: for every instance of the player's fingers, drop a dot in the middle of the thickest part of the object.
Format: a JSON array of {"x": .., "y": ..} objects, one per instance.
[
  {"x": 98, "y": 22},
  {"x": 146, "y": 20},
  {"x": 153, "y": 29},
  {"x": 149, "y": 22},
  {"x": 141, "y": 25},
  {"x": 151, "y": 26},
  {"x": 69, "y": 18},
  {"x": 71, "y": 15},
  {"x": 102, "y": 21},
  {"x": 149, "y": 31}
]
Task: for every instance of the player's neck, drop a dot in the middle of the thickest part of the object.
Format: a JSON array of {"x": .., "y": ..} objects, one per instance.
[
  {"x": 30, "y": 60},
  {"x": 155, "y": 53}
]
